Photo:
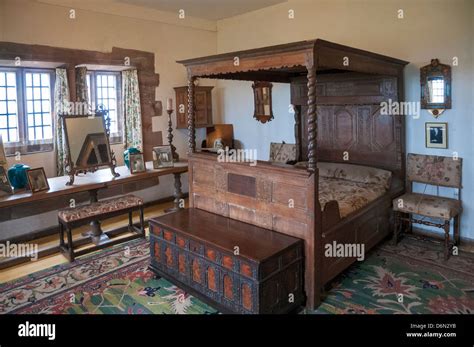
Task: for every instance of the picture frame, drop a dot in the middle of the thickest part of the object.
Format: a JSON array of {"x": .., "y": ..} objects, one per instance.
[
  {"x": 162, "y": 157},
  {"x": 436, "y": 135},
  {"x": 5, "y": 185},
  {"x": 37, "y": 180},
  {"x": 137, "y": 163}
]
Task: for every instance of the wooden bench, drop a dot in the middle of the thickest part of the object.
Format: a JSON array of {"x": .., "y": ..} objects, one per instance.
[
  {"x": 234, "y": 266},
  {"x": 78, "y": 216}
]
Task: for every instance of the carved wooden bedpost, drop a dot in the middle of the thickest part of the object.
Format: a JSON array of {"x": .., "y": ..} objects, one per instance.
[
  {"x": 315, "y": 254},
  {"x": 312, "y": 118},
  {"x": 191, "y": 129}
]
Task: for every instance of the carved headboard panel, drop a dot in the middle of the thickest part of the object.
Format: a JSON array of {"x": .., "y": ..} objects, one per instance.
[{"x": 351, "y": 127}]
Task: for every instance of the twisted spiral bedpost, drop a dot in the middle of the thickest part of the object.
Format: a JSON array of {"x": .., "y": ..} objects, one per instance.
[
  {"x": 191, "y": 129},
  {"x": 312, "y": 118}
]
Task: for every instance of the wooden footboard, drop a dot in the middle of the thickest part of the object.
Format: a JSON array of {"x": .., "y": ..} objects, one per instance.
[
  {"x": 279, "y": 198},
  {"x": 367, "y": 226}
]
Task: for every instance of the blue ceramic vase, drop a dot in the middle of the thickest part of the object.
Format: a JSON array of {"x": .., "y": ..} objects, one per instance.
[
  {"x": 17, "y": 175},
  {"x": 126, "y": 155}
]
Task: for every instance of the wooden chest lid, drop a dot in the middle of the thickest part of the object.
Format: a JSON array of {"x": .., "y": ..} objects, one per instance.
[{"x": 254, "y": 243}]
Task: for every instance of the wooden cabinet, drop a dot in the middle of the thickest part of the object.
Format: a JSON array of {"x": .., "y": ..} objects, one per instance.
[
  {"x": 234, "y": 266},
  {"x": 202, "y": 104}
]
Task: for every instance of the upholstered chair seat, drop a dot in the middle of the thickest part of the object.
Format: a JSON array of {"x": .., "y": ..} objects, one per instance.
[
  {"x": 428, "y": 205},
  {"x": 99, "y": 208}
]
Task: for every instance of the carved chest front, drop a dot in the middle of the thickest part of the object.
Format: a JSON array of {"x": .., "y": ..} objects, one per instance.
[{"x": 234, "y": 266}]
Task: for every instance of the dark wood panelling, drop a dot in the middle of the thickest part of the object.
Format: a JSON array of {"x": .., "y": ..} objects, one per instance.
[
  {"x": 242, "y": 185},
  {"x": 202, "y": 107},
  {"x": 350, "y": 122}
]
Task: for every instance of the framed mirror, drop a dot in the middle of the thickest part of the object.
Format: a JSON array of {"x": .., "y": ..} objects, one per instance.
[
  {"x": 435, "y": 80},
  {"x": 87, "y": 144},
  {"x": 262, "y": 92}
]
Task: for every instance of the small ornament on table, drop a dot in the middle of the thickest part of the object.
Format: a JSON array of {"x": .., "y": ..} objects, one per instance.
[
  {"x": 137, "y": 163},
  {"x": 127, "y": 153}
]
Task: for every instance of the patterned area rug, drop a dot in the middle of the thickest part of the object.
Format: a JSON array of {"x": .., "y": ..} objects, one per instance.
[
  {"x": 409, "y": 278},
  {"x": 113, "y": 281},
  {"x": 412, "y": 277}
]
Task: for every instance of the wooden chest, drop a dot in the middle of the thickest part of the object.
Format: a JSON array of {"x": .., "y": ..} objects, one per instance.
[{"x": 234, "y": 266}]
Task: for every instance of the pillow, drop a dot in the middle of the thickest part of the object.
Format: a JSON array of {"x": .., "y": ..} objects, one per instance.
[
  {"x": 329, "y": 170},
  {"x": 282, "y": 152},
  {"x": 356, "y": 173}
]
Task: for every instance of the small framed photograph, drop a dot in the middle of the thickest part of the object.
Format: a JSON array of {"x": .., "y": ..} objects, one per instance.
[
  {"x": 5, "y": 185},
  {"x": 436, "y": 135},
  {"x": 37, "y": 180},
  {"x": 137, "y": 163},
  {"x": 162, "y": 157}
]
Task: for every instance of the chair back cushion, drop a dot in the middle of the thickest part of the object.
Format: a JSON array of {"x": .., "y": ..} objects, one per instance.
[
  {"x": 435, "y": 170},
  {"x": 282, "y": 152}
]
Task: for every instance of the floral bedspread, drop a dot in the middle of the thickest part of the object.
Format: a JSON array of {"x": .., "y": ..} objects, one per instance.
[{"x": 350, "y": 195}]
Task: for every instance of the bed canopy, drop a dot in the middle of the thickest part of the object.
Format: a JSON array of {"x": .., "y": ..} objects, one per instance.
[{"x": 284, "y": 63}]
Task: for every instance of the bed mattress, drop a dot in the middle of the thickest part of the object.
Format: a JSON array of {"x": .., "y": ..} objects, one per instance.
[
  {"x": 351, "y": 196},
  {"x": 352, "y": 186}
]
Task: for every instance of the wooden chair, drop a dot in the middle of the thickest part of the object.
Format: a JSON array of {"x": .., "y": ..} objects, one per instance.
[
  {"x": 440, "y": 172},
  {"x": 78, "y": 216}
]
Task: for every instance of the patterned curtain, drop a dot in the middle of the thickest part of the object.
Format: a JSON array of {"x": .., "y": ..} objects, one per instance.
[
  {"x": 82, "y": 94},
  {"x": 61, "y": 104},
  {"x": 131, "y": 110}
]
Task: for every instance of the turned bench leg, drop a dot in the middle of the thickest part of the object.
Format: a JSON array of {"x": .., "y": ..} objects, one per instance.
[
  {"x": 69, "y": 248},
  {"x": 131, "y": 227},
  {"x": 130, "y": 220},
  {"x": 61, "y": 235},
  {"x": 142, "y": 222},
  {"x": 69, "y": 243}
]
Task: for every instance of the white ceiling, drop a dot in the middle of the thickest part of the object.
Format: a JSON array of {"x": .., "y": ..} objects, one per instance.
[{"x": 206, "y": 9}]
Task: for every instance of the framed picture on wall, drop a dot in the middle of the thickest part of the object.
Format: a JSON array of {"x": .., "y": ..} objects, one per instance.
[{"x": 436, "y": 135}]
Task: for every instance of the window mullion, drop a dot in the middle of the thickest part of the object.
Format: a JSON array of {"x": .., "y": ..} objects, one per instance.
[
  {"x": 21, "y": 105},
  {"x": 93, "y": 90}
]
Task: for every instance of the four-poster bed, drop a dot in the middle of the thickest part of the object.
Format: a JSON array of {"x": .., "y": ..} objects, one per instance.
[{"x": 336, "y": 92}]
